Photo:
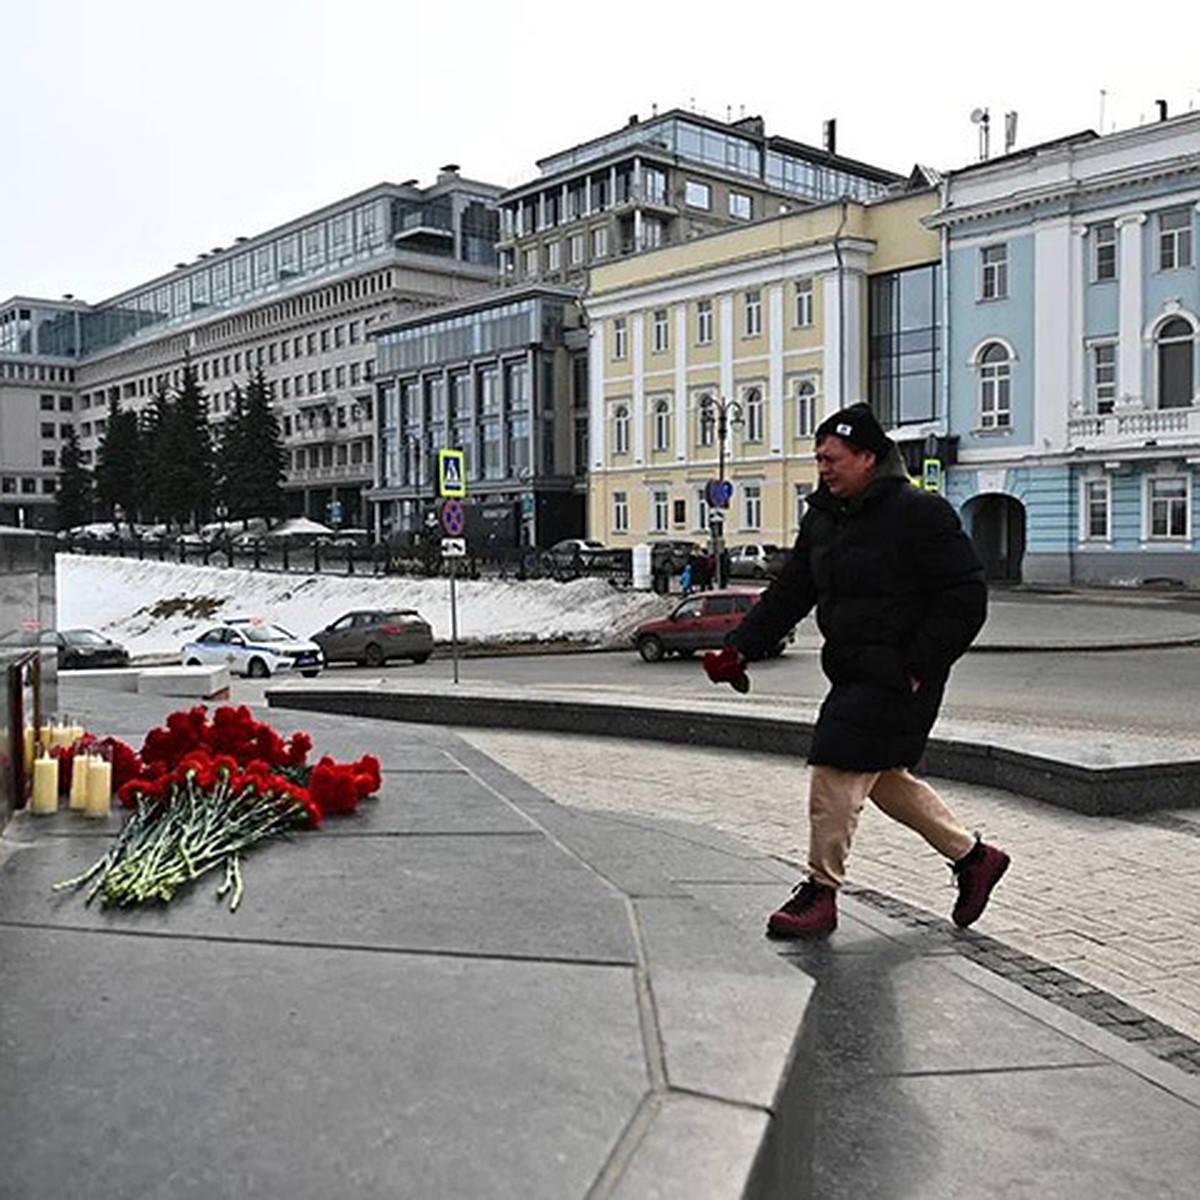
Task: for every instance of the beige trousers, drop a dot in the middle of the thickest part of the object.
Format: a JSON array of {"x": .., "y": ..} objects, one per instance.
[{"x": 836, "y": 799}]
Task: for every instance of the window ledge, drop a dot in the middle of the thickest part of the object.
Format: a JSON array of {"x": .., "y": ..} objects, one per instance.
[{"x": 992, "y": 431}]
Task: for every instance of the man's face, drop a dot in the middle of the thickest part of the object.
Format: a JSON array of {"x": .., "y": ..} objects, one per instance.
[{"x": 844, "y": 469}]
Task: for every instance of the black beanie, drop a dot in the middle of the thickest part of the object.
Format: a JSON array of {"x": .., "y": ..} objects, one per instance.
[{"x": 856, "y": 425}]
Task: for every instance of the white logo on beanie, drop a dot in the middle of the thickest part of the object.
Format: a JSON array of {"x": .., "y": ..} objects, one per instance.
[{"x": 844, "y": 430}]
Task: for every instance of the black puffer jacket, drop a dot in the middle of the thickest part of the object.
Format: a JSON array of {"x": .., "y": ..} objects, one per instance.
[{"x": 899, "y": 593}]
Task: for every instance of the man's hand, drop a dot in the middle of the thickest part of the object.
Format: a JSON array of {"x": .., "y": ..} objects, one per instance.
[{"x": 727, "y": 666}]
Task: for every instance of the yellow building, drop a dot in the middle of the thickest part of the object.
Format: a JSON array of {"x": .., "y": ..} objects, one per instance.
[{"x": 767, "y": 326}]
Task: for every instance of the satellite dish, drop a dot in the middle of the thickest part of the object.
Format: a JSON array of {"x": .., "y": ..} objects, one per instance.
[{"x": 979, "y": 115}]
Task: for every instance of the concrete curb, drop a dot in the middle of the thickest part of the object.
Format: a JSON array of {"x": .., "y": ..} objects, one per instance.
[{"x": 1090, "y": 790}]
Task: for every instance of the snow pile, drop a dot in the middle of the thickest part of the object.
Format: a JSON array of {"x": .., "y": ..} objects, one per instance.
[{"x": 154, "y": 607}]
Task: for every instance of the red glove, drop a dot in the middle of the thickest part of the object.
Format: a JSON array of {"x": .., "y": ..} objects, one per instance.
[{"x": 727, "y": 666}]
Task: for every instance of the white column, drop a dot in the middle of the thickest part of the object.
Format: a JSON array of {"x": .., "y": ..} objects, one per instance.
[
  {"x": 1051, "y": 333},
  {"x": 1129, "y": 318},
  {"x": 725, "y": 333},
  {"x": 775, "y": 367},
  {"x": 637, "y": 352},
  {"x": 682, "y": 449},
  {"x": 832, "y": 348},
  {"x": 1076, "y": 364},
  {"x": 596, "y": 421}
]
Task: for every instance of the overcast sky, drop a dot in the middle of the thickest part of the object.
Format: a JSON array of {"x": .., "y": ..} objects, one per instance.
[{"x": 142, "y": 132}]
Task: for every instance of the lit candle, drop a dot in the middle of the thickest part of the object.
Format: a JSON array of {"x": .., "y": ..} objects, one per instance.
[
  {"x": 79, "y": 782},
  {"x": 45, "y": 786},
  {"x": 99, "y": 788}
]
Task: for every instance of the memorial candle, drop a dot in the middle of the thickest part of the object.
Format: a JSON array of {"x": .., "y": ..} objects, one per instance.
[
  {"x": 45, "y": 786},
  {"x": 99, "y": 788},
  {"x": 79, "y": 782}
]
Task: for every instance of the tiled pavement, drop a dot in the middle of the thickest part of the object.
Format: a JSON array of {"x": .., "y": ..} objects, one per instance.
[{"x": 1111, "y": 902}]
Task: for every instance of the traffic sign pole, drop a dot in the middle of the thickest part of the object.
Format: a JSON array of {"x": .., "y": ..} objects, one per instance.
[{"x": 454, "y": 617}]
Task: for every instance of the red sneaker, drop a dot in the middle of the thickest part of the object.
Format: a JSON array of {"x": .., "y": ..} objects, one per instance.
[
  {"x": 978, "y": 871},
  {"x": 810, "y": 913}
]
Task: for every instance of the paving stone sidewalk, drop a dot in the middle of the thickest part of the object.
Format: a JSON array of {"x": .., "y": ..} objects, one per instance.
[{"x": 1111, "y": 901}]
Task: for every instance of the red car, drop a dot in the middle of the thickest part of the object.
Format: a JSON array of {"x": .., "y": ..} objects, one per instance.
[{"x": 701, "y": 622}]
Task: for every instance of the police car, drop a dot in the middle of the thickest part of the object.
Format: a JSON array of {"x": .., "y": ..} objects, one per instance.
[{"x": 255, "y": 648}]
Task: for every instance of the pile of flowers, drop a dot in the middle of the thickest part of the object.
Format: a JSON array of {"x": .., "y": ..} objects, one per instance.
[{"x": 201, "y": 793}]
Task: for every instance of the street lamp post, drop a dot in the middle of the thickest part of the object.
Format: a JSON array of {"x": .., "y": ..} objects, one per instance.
[{"x": 719, "y": 414}]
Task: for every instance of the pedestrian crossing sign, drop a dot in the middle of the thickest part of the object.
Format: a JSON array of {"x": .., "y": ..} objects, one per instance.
[{"x": 452, "y": 475}]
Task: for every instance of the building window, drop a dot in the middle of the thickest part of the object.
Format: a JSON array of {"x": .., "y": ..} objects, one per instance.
[
  {"x": 1096, "y": 497},
  {"x": 704, "y": 322},
  {"x": 49, "y": 458},
  {"x": 806, "y": 408},
  {"x": 600, "y": 242},
  {"x": 804, "y": 302},
  {"x": 751, "y": 506},
  {"x": 753, "y": 323},
  {"x": 741, "y": 206},
  {"x": 47, "y": 403},
  {"x": 697, "y": 195},
  {"x": 575, "y": 247},
  {"x": 995, "y": 387},
  {"x": 800, "y": 495},
  {"x": 531, "y": 263},
  {"x": 659, "y": 504},
  {"x": 1104, "y": 377},
  {"x": 47, "y": 429},
  {"x": 1175, "y": 351},
  {"x": 654, "y": 182},
  {"x": 1167, "y": 502},
  {"x": 1175, "y": 239},
  {"x": 618, "y": 337},
  {"x": 620, "y": 512},
  {"x": 661, "y": 334},
  {"x": 752, "y": 405},
  {"x": 1104, "y": 252},
  {"x": 679, "y": 512},
  {"x": 554, "y": 256},
  {"x": 621, "y": 430},
  {"x": 993, "y": 272},
  {"x": 662, "y": 425}
]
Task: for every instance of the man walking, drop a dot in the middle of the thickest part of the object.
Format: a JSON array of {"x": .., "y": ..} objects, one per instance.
[{"x": 900, "y": 595}]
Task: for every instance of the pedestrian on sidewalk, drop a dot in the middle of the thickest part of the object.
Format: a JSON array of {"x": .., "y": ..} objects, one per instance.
[{"x": 899, "y": 594}]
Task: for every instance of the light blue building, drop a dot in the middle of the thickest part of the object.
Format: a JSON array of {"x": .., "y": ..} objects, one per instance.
[{"x": 1072, "y": 302}]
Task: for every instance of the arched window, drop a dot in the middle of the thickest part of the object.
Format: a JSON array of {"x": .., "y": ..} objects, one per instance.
[
  {"x": 662, "y": 425},
  {"x": 752, "y": 402},
  {"x": 621, "y": 430},
  {"x": 995, "y": 387},
  {"x": 1175, "y": 348},
  {"x": 806, "y": 408}
]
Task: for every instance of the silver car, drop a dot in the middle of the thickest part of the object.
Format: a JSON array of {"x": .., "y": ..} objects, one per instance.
[{"x": 372, "y": 636}]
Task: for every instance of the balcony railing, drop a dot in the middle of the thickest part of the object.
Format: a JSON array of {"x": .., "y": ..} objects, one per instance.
[
  {"x": 1125, "y": 427},
  {"x": 361, "y": 472}
]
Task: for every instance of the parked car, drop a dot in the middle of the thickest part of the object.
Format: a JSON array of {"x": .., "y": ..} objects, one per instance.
[
  {"x": 372, "y": 636},
  {"x": 255, "y": 649},
  {"x": 756, "y": 560},
  {"x": 347, "y": 537},
  {"x": 573, "y": 552},
  {"x": 78, "y": 649},
  {"x": 701, "y": 622}
]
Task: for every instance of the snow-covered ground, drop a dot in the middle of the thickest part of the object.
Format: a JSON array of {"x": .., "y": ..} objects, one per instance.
[{"x": 153, "y": 607}]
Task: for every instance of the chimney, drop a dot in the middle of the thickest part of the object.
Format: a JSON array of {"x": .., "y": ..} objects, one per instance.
[
  {"x": 829, "y": 135},
  {"x": 1162, "y": 109},
  {"x": 633, "y": 118}
]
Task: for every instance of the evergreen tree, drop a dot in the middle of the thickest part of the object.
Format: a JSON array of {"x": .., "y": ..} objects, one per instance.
[
  {"x": 154, "y": 467},
  {"x": 118, "y": 465},
  {"x": 185, "y": 453},
  {"x": 264, "y": 452},
  {"x": 73, "y": 500},
  {"x": 232, "y": 459}
]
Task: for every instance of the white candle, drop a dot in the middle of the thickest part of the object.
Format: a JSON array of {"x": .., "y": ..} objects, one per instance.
[
  {"x": 45, "y": 786},
  {"x": 62, "y": 735},
  {"x": 79, "y": 781},
  {"x": 99, "y": 788},
  {"x": 30, "y": 741}
]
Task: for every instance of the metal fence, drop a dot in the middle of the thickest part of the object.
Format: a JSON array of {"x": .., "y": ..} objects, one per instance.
[{"x": 420, "y": 558}]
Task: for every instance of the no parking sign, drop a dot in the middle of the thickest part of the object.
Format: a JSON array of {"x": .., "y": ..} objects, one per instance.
[{"x": 454, "y": 518}]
